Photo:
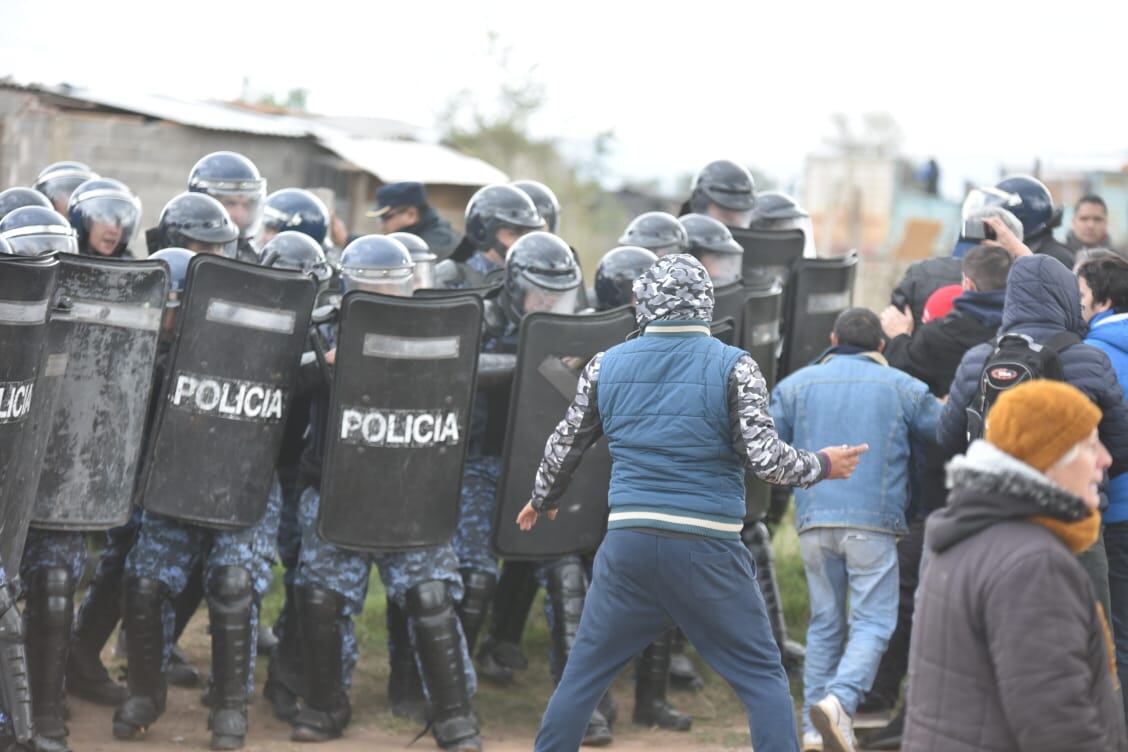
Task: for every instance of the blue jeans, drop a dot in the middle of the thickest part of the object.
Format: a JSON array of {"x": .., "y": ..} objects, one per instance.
[
  {"x": 844, "y": 648},
  {"x": 642, "y": 585}
]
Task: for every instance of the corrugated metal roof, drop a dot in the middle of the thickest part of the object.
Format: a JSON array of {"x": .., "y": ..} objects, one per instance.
[
  {"x": 391, "y": 161},
  {"x": 387, "y": 159}
]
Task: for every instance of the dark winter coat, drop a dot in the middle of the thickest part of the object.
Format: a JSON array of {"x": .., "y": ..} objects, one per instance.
[
  {"x": 934, "y": 350},
  {"x": 923, "y": 278},
  {"x": 1042, "y": 300},
  {"x": 1009, "y": 650},
  {"x": 435, "y": 231},
  {"x": 1047, "y": 245}
]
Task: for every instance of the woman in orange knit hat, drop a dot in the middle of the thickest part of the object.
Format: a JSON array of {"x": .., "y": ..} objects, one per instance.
[{"x": 1010, "y": 650}]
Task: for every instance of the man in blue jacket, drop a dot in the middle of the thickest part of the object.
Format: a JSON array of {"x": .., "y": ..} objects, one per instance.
[
  {"x": 848, "y": 531},
  {"x": 684, "y": 416},
  {"x": 1104, "y": 305}
]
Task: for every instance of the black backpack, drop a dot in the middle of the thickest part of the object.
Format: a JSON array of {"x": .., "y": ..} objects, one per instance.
[{"x": 1016, "y": 359}]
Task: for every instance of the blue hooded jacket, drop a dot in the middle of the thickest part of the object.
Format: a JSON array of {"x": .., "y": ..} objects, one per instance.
[{"x": 1109, "y": 332}]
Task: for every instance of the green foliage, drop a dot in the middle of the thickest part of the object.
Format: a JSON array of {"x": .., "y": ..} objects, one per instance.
[{"x": 499, "y": 132}]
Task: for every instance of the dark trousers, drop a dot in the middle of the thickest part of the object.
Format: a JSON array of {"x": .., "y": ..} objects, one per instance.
[
  {"x": 895, "y": 662},
  {"x": 642, "y": 585},
  {"x": 1116, "y": 549}
]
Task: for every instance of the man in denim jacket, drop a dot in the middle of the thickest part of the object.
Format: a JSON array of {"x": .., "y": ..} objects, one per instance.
[{"x": 848, "y": 531}]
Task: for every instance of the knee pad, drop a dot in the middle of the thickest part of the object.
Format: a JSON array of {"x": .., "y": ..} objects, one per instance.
[
  {"x": 429, "y": 598},
  {"x": 230, "y": 588}
]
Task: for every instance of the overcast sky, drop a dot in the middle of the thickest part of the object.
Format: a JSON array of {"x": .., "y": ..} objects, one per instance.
[{"x": 975, "y": 86}]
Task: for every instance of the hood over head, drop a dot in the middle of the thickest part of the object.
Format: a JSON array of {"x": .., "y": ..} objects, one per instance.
[{"x": 676, "y": 287}]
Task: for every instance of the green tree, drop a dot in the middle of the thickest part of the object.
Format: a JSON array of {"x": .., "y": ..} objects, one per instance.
[{"x": 497, "y": 130}]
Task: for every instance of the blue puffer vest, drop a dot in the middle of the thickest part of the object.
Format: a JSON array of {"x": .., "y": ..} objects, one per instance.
[{"x": 663, "y": 402}]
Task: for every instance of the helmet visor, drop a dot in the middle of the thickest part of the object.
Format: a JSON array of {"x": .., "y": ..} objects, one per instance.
[
  {"x": 988, "y": 196},
  {"x": 722, "y": 267},
  {"x": 35, "y": 240},
  {"x": 384, "y": 281}
]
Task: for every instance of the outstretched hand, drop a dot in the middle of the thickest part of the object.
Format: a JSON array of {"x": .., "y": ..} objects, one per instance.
[
  {"x": 844, "y": 459},
  {"x": 527, "y": 519}
]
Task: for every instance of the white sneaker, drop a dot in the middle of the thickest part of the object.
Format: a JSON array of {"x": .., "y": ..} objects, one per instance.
[
  {"x": 834, "y": 724},
  {"x": 812, "y": 741}
]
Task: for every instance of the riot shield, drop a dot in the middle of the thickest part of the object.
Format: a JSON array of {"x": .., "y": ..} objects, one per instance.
[
  {"x": 761, "y": 340},
  {"x": 769, "y": 253},
  {"x": 724, "y": 330},
  {"x": 728, "y": 303},
  {"x": 820, "y": 289},
  {"x": 27, "y": 285},
  {"x": 239, "y": 341},
  {"x": 399, "y": 422},
  {"x": 552, "y": 351},
  {"x": 102, "y": 341}
]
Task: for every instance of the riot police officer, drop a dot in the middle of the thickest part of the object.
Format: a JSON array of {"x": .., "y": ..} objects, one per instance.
[
  {"x": 776, "y": 211},
  {"x": 616, "y": 273},
  {"x": 197, "y": 223},
  {"x": 236, "y": 567},
  {"x": 53, "y": 561},
  {"x": 331, "y": 583},
  {"x": 57, "y": 181},
  {"x": 1030, "y": 200},
  {"x": 100, "y": 609},
  {"x": 658, "y": 232},
  {"x": 105, "y": 215},
  {"x": 724, "y": 191},
  {"x": 711, "y": 243},
  {"x": 496, "y": 216},
  {"x": 294, "y": 210},
  {"x": 290, "y": 249},
  {"x": 422, "y": 256},
  {"x": 19, "y": 197},
  {"x": 235, "y": 182},
  {"x": 548, "y": 206}
]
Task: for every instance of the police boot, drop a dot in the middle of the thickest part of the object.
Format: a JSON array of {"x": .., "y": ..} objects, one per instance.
[
  {"x": 230, "y": 609},
  {"x": 50, "y": 617},
  {"x": 651, "y": 707},
  {"x": 405, "y": 688},
  {"x": 435, "y": 626},
  {"x": 326, "y": 712},
  {"x": 758, "y": 541},
  {"x": 500, "y": 653},
  {"x": 87, "y": 677},
  {"x": 284, "y": 674},
  {"x": 683, "y": 674},
  {"x": 181, "y": 673},
  {"x": 478, "y": 588},
  {"x": 566, "y": 589},
  {"x": 145, "y": 679},
  {"x": 889, "y": 736},
  {"x": 15, "y": 689}
]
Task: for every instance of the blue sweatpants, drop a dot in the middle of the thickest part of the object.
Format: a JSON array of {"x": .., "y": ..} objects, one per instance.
[{"x": 642, "y": 585}]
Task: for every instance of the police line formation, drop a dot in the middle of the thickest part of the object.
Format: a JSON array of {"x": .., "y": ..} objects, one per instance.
[{"x": 250, "y": 393}]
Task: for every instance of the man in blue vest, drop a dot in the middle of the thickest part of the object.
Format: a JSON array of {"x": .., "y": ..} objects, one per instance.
[{"x": 684, "y": 416}]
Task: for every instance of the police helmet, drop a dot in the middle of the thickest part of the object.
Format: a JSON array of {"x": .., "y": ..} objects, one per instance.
[
  {"x": 298, "y": 210},
  {"x": 421, "y": 254},
  {"x": 1032, "y": 203},
  {"x": 296, "y": 250},
  {"x": 659, "y": 232},
  {"x": 377, "y": 263},
  {"x": 235, "y": 182},
  {"x": 541, "y": 274},
  {"x": 177, "y": 260},
  {"x": 199, "y": 223},
  {"x": 726, "y": 184},
  {"x": 616, "y": 273},
  {"x": 57, "y": 181},
  {"x": 17, "y": 197},
  {"x": 545, "y": 201},
  {"x": 711, "y": 243},
  {"x": 109, "y": 209},
  {"x": 774, "y": 206},
  {"x": 494, "y": 207},
  {"x": 34, "y": 230}
]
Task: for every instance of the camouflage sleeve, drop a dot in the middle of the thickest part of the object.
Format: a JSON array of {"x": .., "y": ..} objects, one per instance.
[
  {"x": 754, "y": 436},
  {"x": 580, "y": 429}
]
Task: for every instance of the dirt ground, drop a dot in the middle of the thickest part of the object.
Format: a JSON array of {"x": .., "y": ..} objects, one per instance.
[{"x": 509, "y": 715}]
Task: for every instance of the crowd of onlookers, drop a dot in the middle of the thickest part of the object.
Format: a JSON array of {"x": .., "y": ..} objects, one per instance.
[{"x": 977, "y": 560}]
